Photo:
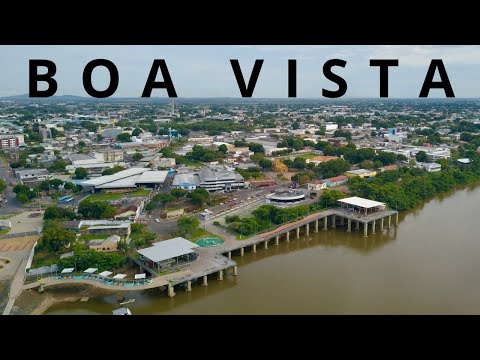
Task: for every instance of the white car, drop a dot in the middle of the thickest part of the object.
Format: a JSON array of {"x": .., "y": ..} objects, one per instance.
[
  {"x": 157, "y": 220},
  {"x": 149, "y": 216},
  {"x": 249, "y": 198}
]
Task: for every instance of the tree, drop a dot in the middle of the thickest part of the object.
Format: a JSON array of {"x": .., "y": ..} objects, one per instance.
[
  {"x": 386, "y": 158},
  {"x": 57, "y": 166},
  {"x": 299, "y": 163},
  {"x": 329, "y": 197},
  {"x": 3, "y": 185},
  {"x": 57, "y": 213},
  {"x": 137, "y": 156},
  {"x": 373, "y": 133},
  {"x": 231, "y": 219},
  {"x": 342, "y": 133},
  {"x": 55, "y": 237},
  {"x": 23, "y": 198},
  {"x": 187, "y": 224},
  {"x": 256, "y": 148},
  {"x": 178, "y": 192},
  {"x": 81, "y": 173},
  {"x": 223, "y": 148},
  {"x": 199, "y": 196},
  {"x": 367, "y": 164},
  {"x": 99, "y": 137},
  {"x": 124, "y": 137},
  {"x": 265, "y": 164},
  {"x": 85, "y": 259},
  {"x": 332, "y": 168},
  {"x": 422, "y": 156},
  {"x": 96, "y": 209},
  {"x": 443, "y": 162},
  {"x": 82, "y": 144},
  {"x": 113, "y": 170},
  {"x": 137, "y": 132},
  {"x": 302, "y": 178}
]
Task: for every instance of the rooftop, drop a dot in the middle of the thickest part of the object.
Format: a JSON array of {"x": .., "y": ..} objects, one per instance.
[
  {"x": 168, "y": 249},
  {"x": 361, "y": 202}
]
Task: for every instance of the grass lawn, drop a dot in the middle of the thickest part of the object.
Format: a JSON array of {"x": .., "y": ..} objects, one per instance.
[
  {"x": 44, "y": 259},
  {"x": 92, "y": 237},
  {"x": 7, "y": 217},
  {"x": 140, "y": 192},
  {"x": 3, "y": 232},
  {"x": 201, "y": 233},
  {"x": 307, "y": 156},
  {"x": 110, "y": 197},
  {"x": 104, "y": 197}
]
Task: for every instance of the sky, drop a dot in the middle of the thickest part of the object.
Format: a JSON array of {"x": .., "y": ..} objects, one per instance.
[{"x": 204, "y": 70}]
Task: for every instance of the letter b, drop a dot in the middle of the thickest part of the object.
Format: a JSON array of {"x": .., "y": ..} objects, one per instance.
[{"x": 48, "y": 78}]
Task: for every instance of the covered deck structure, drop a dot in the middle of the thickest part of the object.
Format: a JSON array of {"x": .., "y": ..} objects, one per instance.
[
  {"x": 362, "y": 206},
  {"x": 169, "y": 253}
]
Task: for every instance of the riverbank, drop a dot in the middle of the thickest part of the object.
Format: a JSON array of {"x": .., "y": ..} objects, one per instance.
[
  {"x": 428, "y": 266},
  {"x": 31, "y": 302}
]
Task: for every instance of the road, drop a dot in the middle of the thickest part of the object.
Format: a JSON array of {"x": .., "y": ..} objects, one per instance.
[{"x": 12, "y": 206}]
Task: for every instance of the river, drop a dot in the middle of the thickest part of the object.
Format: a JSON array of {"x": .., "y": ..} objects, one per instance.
[{"x": 428, "y": 265}]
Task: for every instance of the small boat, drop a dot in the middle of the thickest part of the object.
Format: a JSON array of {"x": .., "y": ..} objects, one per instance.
[
  {"x": 127, "y": 302},
  {"x": 122, "y": 311}
]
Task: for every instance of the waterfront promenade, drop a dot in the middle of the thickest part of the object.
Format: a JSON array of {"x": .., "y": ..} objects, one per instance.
[{"x": 216, "y": 261}]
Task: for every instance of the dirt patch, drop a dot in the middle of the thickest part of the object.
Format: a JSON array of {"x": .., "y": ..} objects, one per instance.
[
  {"x": 31, "y": 302},
  {"x": 4, "y": 288},
  {"x": 18, "y": 244}
]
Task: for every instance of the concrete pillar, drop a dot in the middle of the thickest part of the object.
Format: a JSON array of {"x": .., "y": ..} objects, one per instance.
[
  {"x": 189, "y": 286},
  {"x": 381, "y": 224},
  {"x": 266, "y": 244},
  {"x": 316, "y": 225},
  {"x": 220, "y": 275},
  {"x": 242, "y": 251},
  {"x": 325, "y": 222},
  {"x": 334, "y": 219},
  {"x": 277, "y": 239},
  {"x": 389, "y": 222},
  {"x": 230, "y": 255},
  {"x": 365, "y": 229},
  {"x": 357, "y": 227},
  {"x": 307, "y": 228},
  {"x": 349, "y": 225},
  {"x": 288, "y": 236},
  {"x": 298, "y": 232},
  {"x": 342, "y": 221},
  {"x": 254, "y": 248},
  {"x": 396, "y": 219},
  {"x": 235, "y": 270},
  {"x": 171, "y": 292},
  {"x": 373, "y": 227},
  {"x": 205, "y": 280}
]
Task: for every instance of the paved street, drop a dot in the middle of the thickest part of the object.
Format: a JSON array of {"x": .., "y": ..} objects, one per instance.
[{"x": 12, "y": 206}]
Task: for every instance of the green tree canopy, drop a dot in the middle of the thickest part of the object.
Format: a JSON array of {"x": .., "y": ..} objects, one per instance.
[
  {"x": 81, "y": 173},
  {"x": 187, "y": 224},
  {"x": 55, "y": 237}
]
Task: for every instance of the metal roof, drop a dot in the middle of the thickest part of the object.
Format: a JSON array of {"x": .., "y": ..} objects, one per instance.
[
  {"x": 102, "y": 180},
  {"x": 152, "y": 177},
  {"x": 168, "y": 249},
  {"x": 361, "y": 202}
]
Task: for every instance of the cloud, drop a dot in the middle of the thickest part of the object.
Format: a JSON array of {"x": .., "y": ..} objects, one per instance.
[{"x": 421, "y": 55}]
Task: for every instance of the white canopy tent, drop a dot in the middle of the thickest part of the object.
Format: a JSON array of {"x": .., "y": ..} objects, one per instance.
[
  {"x": 105, "y": 273},
  {"x": 67, "y": 270},
  {"x": 120, "y": 276},
  {"x": 140, "y": 276},
  {"x": 90, "y": 270}
]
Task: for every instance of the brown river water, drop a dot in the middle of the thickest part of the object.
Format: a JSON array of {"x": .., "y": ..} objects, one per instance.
[{"x": 430, "y": 264}]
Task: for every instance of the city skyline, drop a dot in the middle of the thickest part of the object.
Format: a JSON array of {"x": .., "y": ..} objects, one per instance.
[{"x": 211, "y": 75}]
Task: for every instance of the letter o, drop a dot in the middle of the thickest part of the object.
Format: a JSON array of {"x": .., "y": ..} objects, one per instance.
[{"x": 87, "y": 78}]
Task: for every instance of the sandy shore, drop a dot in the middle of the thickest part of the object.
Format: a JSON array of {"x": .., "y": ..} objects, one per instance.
[{"x": 31, "y": 302}]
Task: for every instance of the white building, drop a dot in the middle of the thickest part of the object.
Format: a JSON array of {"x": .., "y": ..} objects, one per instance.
[
  {"x": 220, "y": 177},
  {"x": 432, "y": 167},
  {"x": 316, "y": 185}
]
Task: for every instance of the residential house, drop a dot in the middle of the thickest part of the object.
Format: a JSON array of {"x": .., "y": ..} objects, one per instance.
[
  {"x": 316, "y": 185},
  {"x": 335, "y": 181},
  {"x": 105, "y": 245}
]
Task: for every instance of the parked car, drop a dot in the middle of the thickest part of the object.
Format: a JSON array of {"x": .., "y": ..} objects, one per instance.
[{"x": 157, "y": 220}]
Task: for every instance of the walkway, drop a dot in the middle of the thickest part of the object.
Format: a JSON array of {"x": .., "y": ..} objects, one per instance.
[
  {"x": 156, "y": 282},
  {"x": 16, "y": 287}
]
